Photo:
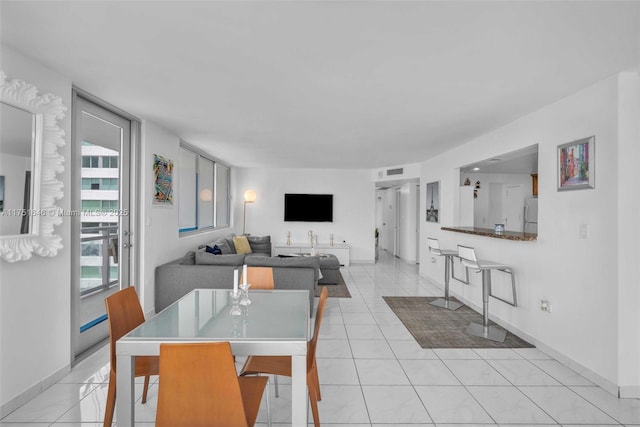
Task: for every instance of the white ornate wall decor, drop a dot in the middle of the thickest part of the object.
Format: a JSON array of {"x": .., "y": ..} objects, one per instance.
[{"x": 48, "y": 136}]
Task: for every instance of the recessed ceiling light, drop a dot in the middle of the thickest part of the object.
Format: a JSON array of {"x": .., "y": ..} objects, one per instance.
[{"x": 476, "y": 169}]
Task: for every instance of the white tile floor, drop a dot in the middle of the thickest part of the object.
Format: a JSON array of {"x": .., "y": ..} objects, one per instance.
[{"x": 373, "y": 373}]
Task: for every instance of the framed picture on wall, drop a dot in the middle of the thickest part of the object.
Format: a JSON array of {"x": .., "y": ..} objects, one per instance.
[
  {"x": 433, "y": 201},
  {"x": 163, "y": 180},
  {"x": 576, "y": 161}
]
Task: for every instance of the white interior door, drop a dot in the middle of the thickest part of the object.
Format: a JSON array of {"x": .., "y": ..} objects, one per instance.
[
  {"x": 514, "y": 207},
  {"x": 496, "y": 204}
]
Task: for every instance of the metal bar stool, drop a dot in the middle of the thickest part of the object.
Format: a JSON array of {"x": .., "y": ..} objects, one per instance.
[
  {"x": 469, "y": 259},
  {"x": 434, "y": 248}
]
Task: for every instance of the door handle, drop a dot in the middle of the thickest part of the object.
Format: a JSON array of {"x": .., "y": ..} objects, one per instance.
[{"x": 127, "y": 245}]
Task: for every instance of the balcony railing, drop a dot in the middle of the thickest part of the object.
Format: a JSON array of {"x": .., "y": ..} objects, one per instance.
[{"x": 99, "y": 259}]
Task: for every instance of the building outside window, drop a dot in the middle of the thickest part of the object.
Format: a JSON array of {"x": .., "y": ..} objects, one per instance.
[{"x": 99, "y": 203}]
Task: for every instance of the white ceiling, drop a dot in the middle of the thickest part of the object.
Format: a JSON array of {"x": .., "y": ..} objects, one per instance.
[{"x": 336, "y": 84}]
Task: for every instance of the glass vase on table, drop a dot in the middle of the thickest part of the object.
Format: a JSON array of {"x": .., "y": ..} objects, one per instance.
[
  {"x": 244, "y": 292},
  {"x": 236, "y": 299}
]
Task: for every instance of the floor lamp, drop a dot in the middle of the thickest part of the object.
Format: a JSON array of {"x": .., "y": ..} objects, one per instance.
[{"x": 249, "y": 197}]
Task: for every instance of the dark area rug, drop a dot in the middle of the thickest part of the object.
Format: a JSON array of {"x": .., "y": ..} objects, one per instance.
[
  {"x": 339, "y": 290},
  {"x": 435, "y": 327}
]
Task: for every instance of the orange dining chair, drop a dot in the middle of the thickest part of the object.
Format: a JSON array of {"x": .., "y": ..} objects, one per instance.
[
  {"x": 124, "y": 314},
  {"x": 281, "y": 365},
  {"x": 259, "y": 277},
  {"x": 199, "y": 387}
]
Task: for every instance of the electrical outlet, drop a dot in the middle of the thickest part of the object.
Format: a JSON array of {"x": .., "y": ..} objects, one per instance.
[
  {"x": 545, "y": 305},
  {"x": 433, "y": 259}
]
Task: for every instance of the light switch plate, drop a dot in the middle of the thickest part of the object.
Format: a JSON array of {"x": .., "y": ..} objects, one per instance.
[{"x": 583, "y": 231}]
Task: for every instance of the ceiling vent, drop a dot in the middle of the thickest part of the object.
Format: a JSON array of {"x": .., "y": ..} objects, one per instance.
[{"x": 397, "y": 171}]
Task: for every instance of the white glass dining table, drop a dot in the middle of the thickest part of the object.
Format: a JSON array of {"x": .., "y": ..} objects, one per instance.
[{"x": 276, "y": 323}]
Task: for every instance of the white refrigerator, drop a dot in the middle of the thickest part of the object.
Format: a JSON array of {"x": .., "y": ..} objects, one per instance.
[{"x": 531, "y": 215}]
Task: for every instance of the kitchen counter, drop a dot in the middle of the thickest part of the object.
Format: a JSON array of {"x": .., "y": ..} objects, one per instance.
[{"x": 489, "y": 232}]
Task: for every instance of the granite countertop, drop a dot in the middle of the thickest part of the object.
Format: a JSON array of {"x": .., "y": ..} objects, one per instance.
[{"x": 488, "y": 232}]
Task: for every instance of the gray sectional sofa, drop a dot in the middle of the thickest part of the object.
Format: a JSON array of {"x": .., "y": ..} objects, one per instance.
[{"x": 200, "y": 269}]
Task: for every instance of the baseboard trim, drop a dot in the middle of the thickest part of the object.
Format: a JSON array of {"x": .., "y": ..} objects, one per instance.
[
  {"x": 610, "y": 387},
  {"x": 630, "y": 392},
  {"x": 409, "y": 261},
  {"x": 31, "y": 392}
]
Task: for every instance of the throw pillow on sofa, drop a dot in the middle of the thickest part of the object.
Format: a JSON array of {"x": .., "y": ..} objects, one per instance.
[
  {"x": 229, "y": 239},
  {"x": 222, "y": 243},
  {"x": 205, "y": 258},
  {"x": 189, "y": 258},
  {"x": 213, "y": 250},
  {"x": 242, "y": 245},
  {"x": 261, "y": 245}
]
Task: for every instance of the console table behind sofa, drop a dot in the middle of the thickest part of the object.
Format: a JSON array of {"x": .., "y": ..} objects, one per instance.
[{"x": 340, "y": 250}]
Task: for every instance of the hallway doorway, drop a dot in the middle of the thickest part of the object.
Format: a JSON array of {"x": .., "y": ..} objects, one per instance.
[{"x": 398, "y": 219}]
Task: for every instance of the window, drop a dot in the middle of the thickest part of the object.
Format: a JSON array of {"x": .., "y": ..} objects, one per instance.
[
  {"x": 109, "y": 183},
  {"x": 90, "y": 183},
  {"x": 206, "y": 179},
  {"x": 188, "y": 172},
  {"x": 204, "y": 192},
  {"x": 109, "y": 161},
  {"x": 90, "y": 161},
  {"x": 99, "y": 183},
  {"x": 104, "y": 205},
  {"x": 109, "y": 205},
  {"x": 100, "y": 161},
  {"x": 91, "y": 205},
  {"x": 222, "y": 196}
]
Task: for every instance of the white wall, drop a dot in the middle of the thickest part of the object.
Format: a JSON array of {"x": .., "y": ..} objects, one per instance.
[
  {"x": 35, "y": 309},
  {"x": 161, "y": 242},
  {"x": 353, "y": 206},
  {"x": 628, "y": 232},
  {"x": 580, "y": 277}
]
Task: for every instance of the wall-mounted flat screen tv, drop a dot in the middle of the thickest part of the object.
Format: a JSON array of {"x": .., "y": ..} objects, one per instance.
[{"x": 308, "y": 207}]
